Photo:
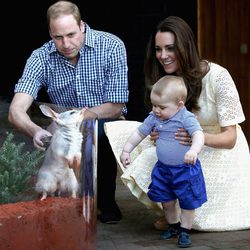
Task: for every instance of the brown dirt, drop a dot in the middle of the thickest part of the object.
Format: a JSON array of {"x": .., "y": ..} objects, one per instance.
[{"x": 51, "y": 224}]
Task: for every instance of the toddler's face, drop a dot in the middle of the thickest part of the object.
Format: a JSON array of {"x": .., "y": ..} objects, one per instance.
[{"x": 163, "y": 109}]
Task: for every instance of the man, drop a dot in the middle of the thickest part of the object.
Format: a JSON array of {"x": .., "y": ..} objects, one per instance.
[{"x": 79, "y": 67}]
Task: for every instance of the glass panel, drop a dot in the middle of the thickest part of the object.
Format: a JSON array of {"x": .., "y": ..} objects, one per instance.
[{"x": 60, "y": 220}]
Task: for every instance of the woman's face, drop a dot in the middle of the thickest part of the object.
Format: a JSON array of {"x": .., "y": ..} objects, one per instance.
[{"x": 165, "y": 51}]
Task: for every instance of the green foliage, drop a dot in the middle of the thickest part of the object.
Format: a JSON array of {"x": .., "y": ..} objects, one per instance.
[{"x": 16, "y": 169}]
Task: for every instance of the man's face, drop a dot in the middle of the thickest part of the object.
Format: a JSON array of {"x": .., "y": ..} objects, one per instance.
[{"x": 67, "y": 35}]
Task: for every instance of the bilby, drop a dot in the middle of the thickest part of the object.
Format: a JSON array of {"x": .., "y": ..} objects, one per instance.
[{"x": 60, "y": 168}]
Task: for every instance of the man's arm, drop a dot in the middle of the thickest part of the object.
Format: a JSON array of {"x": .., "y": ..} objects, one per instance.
[
  {"x": 20, "y": 119},
  {"x": 106, "y": 110}
]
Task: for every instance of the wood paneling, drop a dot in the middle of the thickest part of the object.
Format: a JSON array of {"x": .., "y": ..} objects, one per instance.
[{"x": 224, "y": 37}]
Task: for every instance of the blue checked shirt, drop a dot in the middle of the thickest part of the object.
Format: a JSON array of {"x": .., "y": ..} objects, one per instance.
[{"x": 100, "y": 75}]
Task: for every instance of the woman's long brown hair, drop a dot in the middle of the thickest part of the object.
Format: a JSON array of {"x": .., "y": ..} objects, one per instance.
[{"x": 188, "y": 57}]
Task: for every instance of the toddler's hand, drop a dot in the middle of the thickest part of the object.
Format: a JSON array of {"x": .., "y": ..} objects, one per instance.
[
  {"x": 125, "y": 159},
  {"x": 190, "y": 157}
]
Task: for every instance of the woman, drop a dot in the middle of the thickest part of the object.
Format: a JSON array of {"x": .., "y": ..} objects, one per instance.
[{"x": 213, "y": 97}]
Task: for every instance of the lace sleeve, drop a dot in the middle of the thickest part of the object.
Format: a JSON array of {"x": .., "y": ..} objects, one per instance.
[{"x": 228, "y": 102}]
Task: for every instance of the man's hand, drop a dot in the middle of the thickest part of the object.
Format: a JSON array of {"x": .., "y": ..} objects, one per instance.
[{"x": 38, "y": 138}]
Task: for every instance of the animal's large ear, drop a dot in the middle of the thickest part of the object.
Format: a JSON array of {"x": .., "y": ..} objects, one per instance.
[{"x": 46, "y": 110}]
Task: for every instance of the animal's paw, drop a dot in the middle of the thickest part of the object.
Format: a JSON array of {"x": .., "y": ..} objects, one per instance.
[{"x": 44, "y": 197}]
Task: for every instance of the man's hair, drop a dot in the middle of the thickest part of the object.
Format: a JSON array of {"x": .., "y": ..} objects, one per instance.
[{"x": 62, "y": 8}]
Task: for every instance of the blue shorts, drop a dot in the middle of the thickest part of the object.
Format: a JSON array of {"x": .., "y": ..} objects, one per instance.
[{"x": 184, "y": 182}]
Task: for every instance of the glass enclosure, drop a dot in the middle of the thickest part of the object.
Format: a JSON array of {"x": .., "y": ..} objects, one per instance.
[{"x": 58, "y": 185}]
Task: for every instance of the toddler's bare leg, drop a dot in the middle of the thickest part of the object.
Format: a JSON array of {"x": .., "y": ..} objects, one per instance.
[
  {"x": 187, "y": 218},
  {"x": 171, "y": 212}
]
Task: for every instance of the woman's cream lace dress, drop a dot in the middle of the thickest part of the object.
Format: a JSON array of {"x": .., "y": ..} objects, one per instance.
[{"x": 226, "y": 171}]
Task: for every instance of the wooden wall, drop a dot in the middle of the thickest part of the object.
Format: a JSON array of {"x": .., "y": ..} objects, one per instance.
[{"x": 224, "y": 37}]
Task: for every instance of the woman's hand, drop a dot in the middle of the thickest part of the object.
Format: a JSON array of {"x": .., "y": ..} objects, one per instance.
[
  {"x": 183, "y": 137},
  {"x": 154, "y": 135}
]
